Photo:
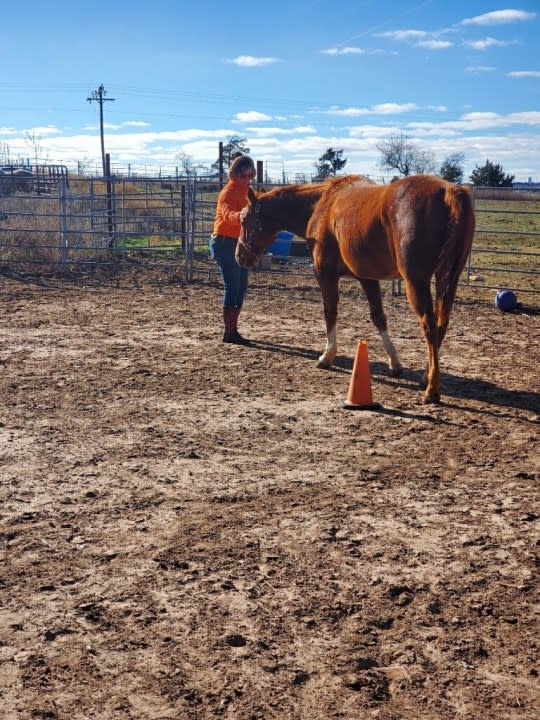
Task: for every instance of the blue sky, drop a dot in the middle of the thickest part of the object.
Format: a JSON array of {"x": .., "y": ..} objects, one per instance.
[{"x": 293, "y": 77}]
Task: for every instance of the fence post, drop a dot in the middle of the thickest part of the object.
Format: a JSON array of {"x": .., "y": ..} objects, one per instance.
[
  {"x": 63, "y": 242},
  {"x": 469, "y": 259},
  {"x": 110, "y": 221},
  {"x": 183, "y": 214},
  {"x": 190, "y": 235},
  {"x": 220, "y": 164}
]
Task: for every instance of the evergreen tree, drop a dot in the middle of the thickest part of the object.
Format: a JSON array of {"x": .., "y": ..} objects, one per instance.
[
  {"x": 491, "y": 175},
  {"x": 236, "y": 146},
  {"x": 452, "y": 168},
  {"x": 330, "y": 163}
]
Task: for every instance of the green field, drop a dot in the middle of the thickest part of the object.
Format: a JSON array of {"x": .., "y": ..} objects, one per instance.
[{"x": 150, "y": 244}]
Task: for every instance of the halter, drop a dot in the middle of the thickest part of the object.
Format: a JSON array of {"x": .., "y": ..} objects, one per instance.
[{"x": 257, "y": 228}]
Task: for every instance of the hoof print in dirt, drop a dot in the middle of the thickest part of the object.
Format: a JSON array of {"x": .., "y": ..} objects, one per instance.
[
  {"x": 373, "y": 685},
  {"x": 236, "y": 640}
]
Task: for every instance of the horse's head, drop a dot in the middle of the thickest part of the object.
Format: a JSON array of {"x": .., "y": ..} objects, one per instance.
[{"x": 254, "y": 236}]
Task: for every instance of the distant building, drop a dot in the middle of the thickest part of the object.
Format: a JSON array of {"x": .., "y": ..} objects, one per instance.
[{"x": 529, "y": 185}]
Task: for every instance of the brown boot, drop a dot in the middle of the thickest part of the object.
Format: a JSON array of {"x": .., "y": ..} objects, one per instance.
[
  {"x": 228, "y": 333},
  {"x": 231, "y": 334}
]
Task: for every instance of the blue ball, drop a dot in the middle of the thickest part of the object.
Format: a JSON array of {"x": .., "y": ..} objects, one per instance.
[{"x": 506, "y": 300}]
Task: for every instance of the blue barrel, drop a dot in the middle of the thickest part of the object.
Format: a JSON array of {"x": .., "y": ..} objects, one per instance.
[{"x": 282, "y": 244}]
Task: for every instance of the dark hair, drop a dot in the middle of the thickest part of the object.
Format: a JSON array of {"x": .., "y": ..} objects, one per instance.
[{"x": 239, "y": 166}]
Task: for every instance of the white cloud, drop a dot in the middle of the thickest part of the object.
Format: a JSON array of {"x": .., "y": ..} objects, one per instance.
[
  {"x": 475, "y": 121},
  {"x": 37, "y": 132},
  {"x": 511, "y": 139},
  {"x": 371, "y": 132},
  {"x": 380, "y": 109},
  {"x": 251, "y": 61},
  {"x": 392, "y": 108},
  {"x": 270, "y": 131},
  {"x": 135, "y": 123},
  {"x": 434, "y": 44},
  {"x": 499, "y": 17},
  {"x": 488, "y": 42},
  {"x": 404, "y": 34},
  {"x": 343, "y": 51},
  {"x": 524, "y": 73},
  {"x": 119, "y": 126},
  {"x": 479, "y": 68},
  {"x": 252, "y": 116}
]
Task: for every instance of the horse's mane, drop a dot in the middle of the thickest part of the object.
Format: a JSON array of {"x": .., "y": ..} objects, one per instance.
[
  {"x": 336, "y": 183},
  {"x": 329, "y": 185}
]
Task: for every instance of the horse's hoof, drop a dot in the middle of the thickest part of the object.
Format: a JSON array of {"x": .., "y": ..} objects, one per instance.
[
  {"x": 324, "y": 364},
  {"x": 431, "y": 398},
  {"x": 397, "y": 371}
]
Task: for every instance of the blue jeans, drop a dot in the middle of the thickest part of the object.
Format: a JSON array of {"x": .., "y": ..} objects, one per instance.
[{"x": 235, "y": 278}]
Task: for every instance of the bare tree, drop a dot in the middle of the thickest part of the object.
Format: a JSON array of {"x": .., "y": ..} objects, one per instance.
[
  {"x": 83, "y": 165},
  {"x": 34, "y": 143},
  {"x": 5, "y": 157},
  {"x": 400, "y": 153},
  {"x": 187, "y": 163}
]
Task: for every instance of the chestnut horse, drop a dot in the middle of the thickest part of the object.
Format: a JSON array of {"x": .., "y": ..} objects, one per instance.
[{"x": 415, "y": 228}]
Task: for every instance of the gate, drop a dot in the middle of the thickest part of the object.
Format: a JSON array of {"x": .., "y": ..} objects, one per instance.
[{"x": 100, "y": 221}]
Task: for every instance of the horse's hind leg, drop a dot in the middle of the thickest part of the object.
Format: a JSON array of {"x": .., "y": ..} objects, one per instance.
[
  {"x": 372, "y": 289},
  {"x": 444, "y": 301},
  {"x": 420, "y": 300}
]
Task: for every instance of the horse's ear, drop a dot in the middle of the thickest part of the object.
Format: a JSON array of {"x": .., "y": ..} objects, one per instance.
[{"x": 251, "y": 196}]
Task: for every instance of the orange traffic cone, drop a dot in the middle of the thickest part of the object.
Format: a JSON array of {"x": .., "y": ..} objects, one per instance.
[{"x": 359, "y": 396}]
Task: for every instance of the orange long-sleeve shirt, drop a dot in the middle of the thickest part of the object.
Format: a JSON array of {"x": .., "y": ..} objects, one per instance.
[{"x": 231, "y": 200}]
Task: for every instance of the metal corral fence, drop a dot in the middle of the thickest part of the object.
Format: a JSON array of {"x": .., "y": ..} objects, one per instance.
[
  {"x": 506, "y": 247},
  {"x": 166, "y": 222}
]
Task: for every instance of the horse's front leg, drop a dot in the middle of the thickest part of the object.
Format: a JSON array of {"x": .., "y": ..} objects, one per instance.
[
  {"x": 329, "y": 284},
  {"x": 372, "y": 289}
]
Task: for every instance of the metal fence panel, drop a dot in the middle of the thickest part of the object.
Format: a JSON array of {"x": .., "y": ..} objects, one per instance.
[
  {"x": 166, "y": 223},
  {"x": 97, "y": 221},
  {"x": 506, "y": 248}
]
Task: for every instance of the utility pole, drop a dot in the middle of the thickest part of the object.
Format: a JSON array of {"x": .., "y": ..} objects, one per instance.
[{"x": 99, "y": 96}]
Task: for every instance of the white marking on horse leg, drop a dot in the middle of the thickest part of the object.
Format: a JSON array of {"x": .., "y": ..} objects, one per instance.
[
  {"x": 330, "y": 352},
  {"x": 394, "y": 362}
]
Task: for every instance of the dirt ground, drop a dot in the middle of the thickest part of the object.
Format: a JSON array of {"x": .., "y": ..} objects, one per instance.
[{"x": 197, "y": 530}]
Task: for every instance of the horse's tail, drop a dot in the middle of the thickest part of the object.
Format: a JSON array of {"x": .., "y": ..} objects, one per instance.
[{"x": 455, "y": 249}]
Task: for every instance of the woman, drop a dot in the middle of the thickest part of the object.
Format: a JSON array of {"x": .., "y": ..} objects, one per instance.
[{"x": 231, "y": 200}]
